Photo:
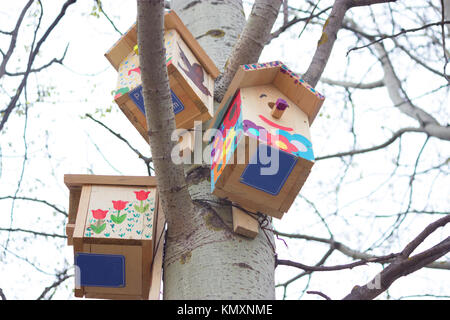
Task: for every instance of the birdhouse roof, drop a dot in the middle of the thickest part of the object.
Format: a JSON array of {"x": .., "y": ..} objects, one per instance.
[
  {"x": 73, "y": 181},
  {"x": 122, "y": 48},
  {"x": 289, "y": 83}
]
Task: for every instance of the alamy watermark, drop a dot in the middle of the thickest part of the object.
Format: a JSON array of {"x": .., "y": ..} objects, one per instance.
[{"x": 213, "y": 146}]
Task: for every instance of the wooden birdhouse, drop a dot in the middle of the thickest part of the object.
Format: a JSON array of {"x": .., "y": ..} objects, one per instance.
[
  {"x": 262, "y": 152},
  {"x": 191, "y": 76},
  {"x": 114, "y": 226}
]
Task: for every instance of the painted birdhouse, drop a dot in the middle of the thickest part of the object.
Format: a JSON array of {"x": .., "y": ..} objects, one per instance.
[
  {"x": 191, "y": 76},
  {"x": 112, "y": 225},
  {"x": 262, "y": 152}
]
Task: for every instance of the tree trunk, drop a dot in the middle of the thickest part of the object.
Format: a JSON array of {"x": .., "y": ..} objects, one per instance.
[{"x": 206, "y": 260}]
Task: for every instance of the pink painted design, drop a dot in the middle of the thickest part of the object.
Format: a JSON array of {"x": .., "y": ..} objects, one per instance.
[
  {"x": 142, "y": 195},
  {"x": 137, "y": 70},
  {"x": 273, "y": 124},
  {"x": 119, "y": 204}
]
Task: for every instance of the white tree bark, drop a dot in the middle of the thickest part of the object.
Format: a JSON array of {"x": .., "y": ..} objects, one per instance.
[
  {"x": 216, "y": 25},
  {"x": 398, "y": 96},
  {"x": 251, "y": 43},
  {"x": 212, "y": 262},
  {"x": 447, "y": 15}
]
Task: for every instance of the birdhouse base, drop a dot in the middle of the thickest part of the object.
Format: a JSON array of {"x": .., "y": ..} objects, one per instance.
[{"x": 271, "y": 194}]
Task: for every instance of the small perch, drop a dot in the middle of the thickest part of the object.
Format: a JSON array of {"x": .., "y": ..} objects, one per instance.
[
  {"x": 280, "y": 106},
  {"x": 244, "y": 224}
]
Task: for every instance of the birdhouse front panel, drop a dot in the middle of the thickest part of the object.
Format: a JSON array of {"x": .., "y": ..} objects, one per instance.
[
  {"x": 262, "y": 159},
  {"x": 191, "y": 76},
  {"x": 113, "y": 221},
  {"x": 120, "y": 213}
]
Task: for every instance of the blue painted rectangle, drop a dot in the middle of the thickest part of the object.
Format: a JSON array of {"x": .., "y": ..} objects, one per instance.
[
  {"x": 138, "y": 99},
  {"x": 254, "y": 175},
  {"x": 100, "y": 270}
]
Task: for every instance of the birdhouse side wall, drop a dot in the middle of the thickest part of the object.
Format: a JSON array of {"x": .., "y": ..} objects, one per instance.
[
  {"x": 195, "y": 75},
  {"x": 129, "y": 70},
  {"x": 226, "y": 139}
]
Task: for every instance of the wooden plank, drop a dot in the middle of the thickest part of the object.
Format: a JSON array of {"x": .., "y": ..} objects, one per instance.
[
  {"x": 122, "y": 47},
  {"x": 74, "y": 200},
  {"x": 244, "y": 224},
  {"x": 110, "y": 296},
  {"x": 148, "y": 251},
  {"x": 147, "y": 258},
  {"x": 79, "y": 290},
  {"x": 78, "y": 232},
  {"x": 157, "y": 263},
  {"x": 70, "y": 227},
  {"x": 295, "y": 190},
  {"x": 78, "y": 180},
  {"x": 249, "y": 204}
]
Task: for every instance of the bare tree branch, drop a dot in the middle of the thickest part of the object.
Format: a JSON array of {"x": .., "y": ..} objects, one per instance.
[
  {"x": 147, "y": 160},
  {"x": 404, "y": 264},
  {"x": 34, "y": 52},
  {"x": 60, "y": 278},
  {"x": 329, "y": 36},
  {"x": 323, "y": 295},
  {"x": 251, "y": 42},
  {"x": 36, "y": 200},
  {"x": 305, "y": 273},
  {"x": 384, "y": 37},
  {"x": 172, "y": 184},
  {"x": 36, "y": 233},
  {"x": 39, "y": 69},
  {"x": 400, "y": 99},
  {"x": 394, "y": 137},
  {"x": 355, "y": 254},
  {"x": 288, "y": 24},
  {"x": 2, "y": 295},
  {"x": 381, "y": 259},
  {"x": 13, "y": 41},
  {"x": 354, "y": 85}
]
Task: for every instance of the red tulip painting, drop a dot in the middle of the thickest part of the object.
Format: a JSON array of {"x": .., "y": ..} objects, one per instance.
[
  {"x": 119, "y": 205},
  {"x": 99, "y": 215},
  {"x": 141, "y": 196}
]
